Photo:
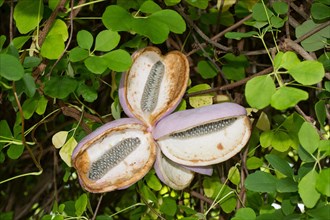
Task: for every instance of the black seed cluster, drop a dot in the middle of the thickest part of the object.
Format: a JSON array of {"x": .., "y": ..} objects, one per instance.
[
  {"x": 152, "y": 87},
  {"x": 204, "y": 129},
  {"x": 112, "y": 157}
]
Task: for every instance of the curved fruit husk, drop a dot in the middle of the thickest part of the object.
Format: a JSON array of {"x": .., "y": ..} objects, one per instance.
[
  {"x": 114, "y": 156},
  {"x": 203, "y": 136},
  {"x": 154, "y": 85},
  {"x": 173, "y": 175}
]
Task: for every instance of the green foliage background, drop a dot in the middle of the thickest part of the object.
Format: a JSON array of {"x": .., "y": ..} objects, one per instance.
[{"x": 60, "y": 64}]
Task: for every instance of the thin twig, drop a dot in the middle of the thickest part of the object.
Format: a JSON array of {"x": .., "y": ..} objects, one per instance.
[
  {"x": 11, "y": 34},
  {"x": 68, "y": 42},
  {"x": 49, "y": 22},
  {"x": 232, "y": 85},
  {"x": 97, "y": 207},
  {"x": 310, "y": 33},
  {"x": 297, "y": 48}
]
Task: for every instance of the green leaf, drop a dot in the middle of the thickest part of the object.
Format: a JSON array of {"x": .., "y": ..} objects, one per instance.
[
  {"x": 286, "y": 60},
  {"x": 85, "y": 39},
  {"x": 260, "y": 14},
  {"x": 168, "y": 207},
  {"x": 307, "y": 191},
  {"x": 29, "y": 106},
  {"x": 316, "y": 41},
  {"x": 59, "y": 28},
  {"x": 259, "y": 90},
  {"x": 206, "y": 69},
  {"x": 10, "y": 68},
  {"x": 279, "y": 164},
  {"x": 106, "y": 40},
  {"x": 253, "y": 163},
  {"x": 280, "y": 7},
  {"x": 244, "y": 214},
  {"x": 287, "y": 207},
  {"x": 52, "y": 47},
  {"x": 28, "y": 14},
  {"x": 42, "y": 105},
  {"x": 277, "y": 22},
  {"x": 200, "y": 100},
  {"x": 78, "y": 54},
  {"x": 19, "y": 42},
  {"x": 234, "y": 175},
  {"x": 320, "y": 111},
  {"x": 88, "y": 93},
  {"x": 149, "y": 7},
  {"x": 240, "y": 35},
  {"x": 154, "y": 29},
  {"x": 153, "y": 182},
  {"x": 81, "y": 204},
  {"x": 324, "y": 146},
  {"x": 323, "y": 182},
  {"x": 118, "y": 60},
  {"x": 5, "y": 130},
  {"x": 319, "y": 213},
  {"x": 29, "y": 85},
  {"x": 286, "y": 185},
  {"x": 171, "y": 18},
  {"x": 116, "y": 109},
  {"x": 67, "y": 149},
  {"x": 234, "y": 71},
  {"x": 261, "y": 182},
  {"x": 117, "y": 18},
  {"x": 320, "y": 11},
  {"x": 96, "y": 64},
  {"x": 202, "y": 4},
  {"x": 15, "y": 151},
  {"x": 307, "y": 72},
  {"x": 281, "y": 141},
  {"x": 308, "y": 137},
  {"x": 172, "y": 2},
  {"x": 2, "y": 41},
  {"x": 266, "y": 138},
  {"x": 30, "y": 62},
  {"x": 286, "y": 97},
  {"x": 148, "y": 194},
  {"x": 60, "y": 87}
]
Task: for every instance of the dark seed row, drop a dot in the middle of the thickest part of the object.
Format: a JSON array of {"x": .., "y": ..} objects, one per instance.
[
  {"x": 204, "y": 129},
  {"x": 152, "y": 87},
  {"x": 113, "y": 157}
]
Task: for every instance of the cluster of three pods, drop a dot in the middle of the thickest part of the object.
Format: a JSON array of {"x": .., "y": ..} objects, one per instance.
[{"x": 121, "y": 152}]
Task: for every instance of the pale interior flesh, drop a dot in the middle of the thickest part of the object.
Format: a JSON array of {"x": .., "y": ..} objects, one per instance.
[
  {"x": 208, "y": 149},
  {"x": 137, "y": 79},
  {"x": 134, "y": 161}
]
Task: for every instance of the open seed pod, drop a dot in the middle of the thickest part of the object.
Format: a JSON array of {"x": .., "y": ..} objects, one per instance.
[
  {"x": 172, "y": 174},
  {"x": 114, "y": 156},
  {"x": 203, "y": 136},
  {"x": 154, "y": 85}
]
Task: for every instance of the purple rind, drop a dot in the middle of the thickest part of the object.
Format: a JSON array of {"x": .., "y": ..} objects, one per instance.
[
  {"x": 182, "y": 120},
  {"x": 100, "y": 130}
]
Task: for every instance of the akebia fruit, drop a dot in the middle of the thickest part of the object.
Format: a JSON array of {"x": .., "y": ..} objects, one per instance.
[
  {"x": 154, "y": 85},
  {"x": 114, "y": 156},
  {"x": 121, "y": 152},
  {"x": 203, "y": 136}
]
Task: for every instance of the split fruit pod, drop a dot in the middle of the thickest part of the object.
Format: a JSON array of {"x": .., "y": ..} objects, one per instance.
[
  {"x": 203, "y": 136},
  {"x": 114, "y": 156},
  {"x": 154, "y": 85}
]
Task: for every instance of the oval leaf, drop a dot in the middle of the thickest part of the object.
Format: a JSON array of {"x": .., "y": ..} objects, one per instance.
[
  {"x": 307, "y": 72},
  {"x": 10, "y": 67},
  {"x": 286, "y": 97},
  {"x": 259, "y": 90}
]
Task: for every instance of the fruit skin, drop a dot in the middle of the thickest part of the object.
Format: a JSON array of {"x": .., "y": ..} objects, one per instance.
[
  {"x": 173, "y": 84},
  {"x": 128, "y": 171},
  {"x": 203, "y": 148},
  {"x": 192, "y": 117}
]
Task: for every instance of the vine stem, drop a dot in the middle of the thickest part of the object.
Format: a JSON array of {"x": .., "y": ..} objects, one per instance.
[{"x": 22, "y": 130}]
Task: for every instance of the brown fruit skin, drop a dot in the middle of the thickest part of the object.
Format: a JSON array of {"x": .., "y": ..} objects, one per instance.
[
  {"x": 176, "y": 78},
  {"x": 133, "y": 172}
]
